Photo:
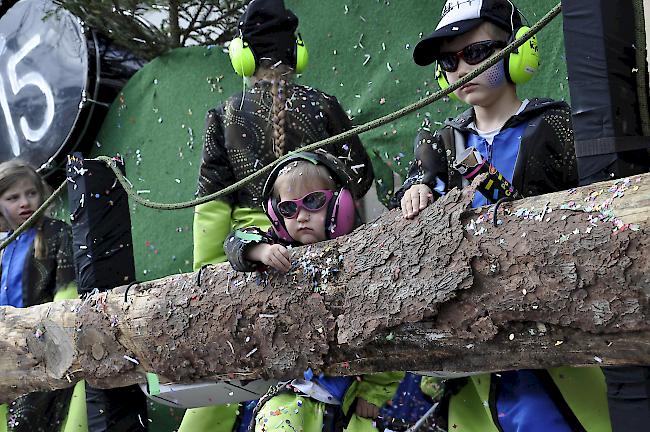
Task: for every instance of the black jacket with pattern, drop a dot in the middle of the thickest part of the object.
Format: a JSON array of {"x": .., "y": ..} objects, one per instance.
[
  {"x": 238, "y": 139},
  {"x": 240, "y": 241},
  {"x": 546, "y": 161},
  {"x": 43, "y": 277}
]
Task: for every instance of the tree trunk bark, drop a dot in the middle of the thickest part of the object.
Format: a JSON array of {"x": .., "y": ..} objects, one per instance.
[{"x": 564, "y": 279}]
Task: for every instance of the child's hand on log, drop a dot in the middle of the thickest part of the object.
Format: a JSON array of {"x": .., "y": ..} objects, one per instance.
[
  {"x": 415, "y": 199},
  {"x": 272, "y": 255}
]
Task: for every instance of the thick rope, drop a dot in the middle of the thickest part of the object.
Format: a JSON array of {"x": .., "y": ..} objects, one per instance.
[{"x": 373, "y": 124}]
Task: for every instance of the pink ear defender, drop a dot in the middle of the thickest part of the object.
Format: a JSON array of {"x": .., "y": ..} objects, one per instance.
[
  {"x": 342, "y": 215},
  {"x": 277, "y": 221}
]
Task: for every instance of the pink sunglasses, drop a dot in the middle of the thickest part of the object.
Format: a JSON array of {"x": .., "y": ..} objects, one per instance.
[{"x": 311, "y": 202}]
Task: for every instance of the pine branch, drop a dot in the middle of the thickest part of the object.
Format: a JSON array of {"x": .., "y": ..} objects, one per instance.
[{"x": 129, "y": 22}]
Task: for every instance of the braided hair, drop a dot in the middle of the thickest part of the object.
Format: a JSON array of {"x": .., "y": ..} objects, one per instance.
[{"x": 278, "y": 75}]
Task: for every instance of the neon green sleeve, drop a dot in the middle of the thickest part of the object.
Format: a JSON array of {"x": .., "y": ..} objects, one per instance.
[
  {"x": 245, "y": 217},
  {"x": 77, "y": 418},
  {"x": 69, "y": 292},
  {"x": 3, "y": 418},
  {"x": 377, "y": 388},
  {"x": 211, "y": 227}
]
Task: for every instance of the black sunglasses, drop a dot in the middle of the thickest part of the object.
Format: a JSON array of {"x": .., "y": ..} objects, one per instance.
[{"x": 473, "y": 54}]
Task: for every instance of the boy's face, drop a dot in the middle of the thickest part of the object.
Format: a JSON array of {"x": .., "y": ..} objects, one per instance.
[
  {"x": 483, "y": 89},
  {"x": 308, "y": 226}
]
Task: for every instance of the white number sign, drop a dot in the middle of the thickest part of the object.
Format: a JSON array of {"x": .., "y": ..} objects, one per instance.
[{"x": 16, "y": 84}]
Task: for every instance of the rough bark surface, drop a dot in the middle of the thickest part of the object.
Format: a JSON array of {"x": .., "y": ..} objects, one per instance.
[{"x": 563, "y": 279}]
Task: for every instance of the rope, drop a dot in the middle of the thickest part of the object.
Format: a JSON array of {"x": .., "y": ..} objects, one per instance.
[
  {"x": 33, "y": 218},
  {"x": 373, "y": 124},
  {"x": 343, "y": 136}
]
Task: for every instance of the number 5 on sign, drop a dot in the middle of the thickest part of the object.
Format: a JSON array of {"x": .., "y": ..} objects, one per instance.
[{"x": 17, "y": 83}]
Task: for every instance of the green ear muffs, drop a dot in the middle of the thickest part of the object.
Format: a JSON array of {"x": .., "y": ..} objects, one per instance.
[
  {"x": 242, "y": 57},
  {"x": 443, "y": 83},
  {"x": 524, "y": 61}
]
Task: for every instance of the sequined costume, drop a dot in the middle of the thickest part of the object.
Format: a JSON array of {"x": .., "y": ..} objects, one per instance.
[
  {"x": 238, "y": 142},
  {"x": 238, "y": 139},
  {"x": 546, "y": 161}
]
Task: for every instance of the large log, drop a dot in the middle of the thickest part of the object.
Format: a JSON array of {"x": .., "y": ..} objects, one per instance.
[{"x": 564, "y": 279}]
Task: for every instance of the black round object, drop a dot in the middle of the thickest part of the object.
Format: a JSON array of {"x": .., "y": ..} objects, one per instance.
[
  {"x": 53, "y": 74},
  {"x": 43, "y": 77}
]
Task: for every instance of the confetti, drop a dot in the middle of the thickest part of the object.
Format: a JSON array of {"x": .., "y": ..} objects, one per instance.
[{"x": 131, "y": 359}]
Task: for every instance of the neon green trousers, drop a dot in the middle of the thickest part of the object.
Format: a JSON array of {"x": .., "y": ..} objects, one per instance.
[{"x": 295, "y": 413}]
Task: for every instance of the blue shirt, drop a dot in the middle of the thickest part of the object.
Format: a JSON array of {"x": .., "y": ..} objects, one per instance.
[
  {"x": 502, "y": 154},
  {"x": 13, "y": 263},
  {"x": 524, "y": 406},
  {"x": 408, "y": 403},
  {"x": 336, "y": 386},
  {"x": 522, "y": 403}
]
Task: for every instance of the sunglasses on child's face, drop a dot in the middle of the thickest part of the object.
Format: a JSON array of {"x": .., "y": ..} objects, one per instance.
[
  {"x": 473, "y": 54},
  {"x": 311, "y": 202}
]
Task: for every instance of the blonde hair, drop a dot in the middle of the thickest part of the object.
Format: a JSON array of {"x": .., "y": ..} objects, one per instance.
[
  {"x": 278, "y": 75},
  {"x": 13, "y": 171},
  {"x": 496, "y": 33},
  {"x": 303, "y": 173}
]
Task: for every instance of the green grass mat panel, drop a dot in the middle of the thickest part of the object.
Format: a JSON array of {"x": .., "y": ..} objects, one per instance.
[{"x": 359, "y": 51}]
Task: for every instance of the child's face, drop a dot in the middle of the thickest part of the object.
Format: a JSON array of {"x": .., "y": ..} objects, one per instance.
[
  {"x": 485, "y": 88},
  {"x": 19, "y": 202},
  {"x": 307, "y": 227}
]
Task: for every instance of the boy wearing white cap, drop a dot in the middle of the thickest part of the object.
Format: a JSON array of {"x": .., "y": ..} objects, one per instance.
[{"x": 530, "y": 143}]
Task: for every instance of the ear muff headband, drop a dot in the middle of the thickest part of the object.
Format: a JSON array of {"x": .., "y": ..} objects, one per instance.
[
  {"x": 243, "y": 61},
  {"x": 302, "y": 55}
]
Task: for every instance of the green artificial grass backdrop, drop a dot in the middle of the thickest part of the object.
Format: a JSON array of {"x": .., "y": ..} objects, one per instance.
[{"x": 359, "y": 51}]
